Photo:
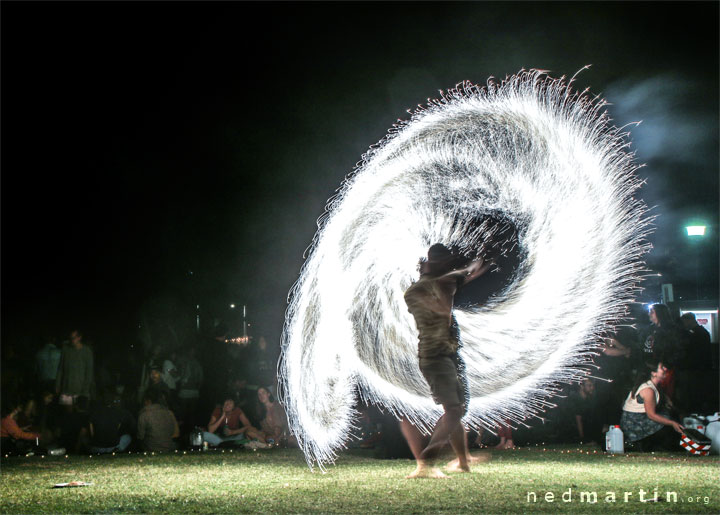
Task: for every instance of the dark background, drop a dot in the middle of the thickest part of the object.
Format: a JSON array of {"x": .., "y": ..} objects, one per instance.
[{"x": 180, "y": 153}]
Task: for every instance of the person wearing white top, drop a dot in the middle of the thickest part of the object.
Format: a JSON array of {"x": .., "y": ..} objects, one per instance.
[{"x": 645, "y": 428}]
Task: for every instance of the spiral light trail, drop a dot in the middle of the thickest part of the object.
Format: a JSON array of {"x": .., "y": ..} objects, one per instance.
[{"x": 528, "y": 151}]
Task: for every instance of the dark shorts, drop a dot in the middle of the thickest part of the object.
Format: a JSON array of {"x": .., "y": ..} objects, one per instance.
[{"x": 445, "y": 375}]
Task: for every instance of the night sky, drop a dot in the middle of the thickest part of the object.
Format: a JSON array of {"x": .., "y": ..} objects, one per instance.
[{"x": 145, "y": 141}]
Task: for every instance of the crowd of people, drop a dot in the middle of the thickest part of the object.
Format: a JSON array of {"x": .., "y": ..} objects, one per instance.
[
  {"x": 648, "y": 378},
  {"x": 66, "y": 398},
  {"x": 645, "y": 379},
  {"x": 70, "y": 398}
]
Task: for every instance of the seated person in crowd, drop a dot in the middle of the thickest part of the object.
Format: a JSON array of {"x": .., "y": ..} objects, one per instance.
[
  {"x": 74, "y": 434},
  {"x": 27, "y": 416},
  {"x": 157, "y": 384},
  {"x": 644, "y": 427},
  {"x": 49, "y": 416},
  {"x": 230, "y": 423},
  {"x": 156, "y": 424},
  {"x": 274, "y": 422},
  {"x": 245, "y": 396},
  {"x": 584, "y": 408},
  {"x": 13, "y": 439},
  {"x": 110, "y": 427}
]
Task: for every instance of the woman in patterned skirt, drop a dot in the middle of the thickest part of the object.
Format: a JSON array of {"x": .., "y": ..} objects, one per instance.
[{"x": 644, "y": 427}]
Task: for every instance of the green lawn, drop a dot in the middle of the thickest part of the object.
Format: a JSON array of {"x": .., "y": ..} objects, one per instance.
[{"x": 280, "y": 481}]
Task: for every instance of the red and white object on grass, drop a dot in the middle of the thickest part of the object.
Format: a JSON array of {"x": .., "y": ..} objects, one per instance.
[{"x": 695, "y": 442}]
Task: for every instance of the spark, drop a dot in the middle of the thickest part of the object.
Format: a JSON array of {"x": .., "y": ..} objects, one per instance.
[{"x": 529, "y": 151}]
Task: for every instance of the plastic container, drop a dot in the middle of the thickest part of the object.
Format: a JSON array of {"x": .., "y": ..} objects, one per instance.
[
  {"x": 196, "y": 438},
  {"x": 614, "y": 443},
  {"x": 696, "y": 422},
  {"x": 712, "y": 431}
]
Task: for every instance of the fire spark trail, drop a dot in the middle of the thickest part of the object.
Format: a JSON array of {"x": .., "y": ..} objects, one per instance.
[{"x": 528, "y": 151}]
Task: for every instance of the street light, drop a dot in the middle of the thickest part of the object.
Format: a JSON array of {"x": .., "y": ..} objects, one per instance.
[{"x": 696, "y": 232}]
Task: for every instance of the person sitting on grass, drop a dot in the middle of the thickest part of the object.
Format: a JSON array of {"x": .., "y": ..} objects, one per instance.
[
  {"x": 274, "y": 423},
  {"x": 583, "y": 408},
  {"x": 15, "y": 440},
  {"x": 229, "y": 423},
  {"x": 74, "y": 434},
  {"x": 643, "y": 424},
  {"x": 110, "y": 427},
  {"x": 157, "y": 426}
]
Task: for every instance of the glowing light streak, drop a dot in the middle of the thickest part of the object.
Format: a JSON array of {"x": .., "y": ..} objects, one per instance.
[{"x": 528, "y": 150}]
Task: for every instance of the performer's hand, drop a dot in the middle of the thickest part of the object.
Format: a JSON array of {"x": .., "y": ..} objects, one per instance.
[{"x": 677, "y": 427}]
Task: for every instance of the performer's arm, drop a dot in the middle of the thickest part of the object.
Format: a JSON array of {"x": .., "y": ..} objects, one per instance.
[{"x": 472, "y": 271}]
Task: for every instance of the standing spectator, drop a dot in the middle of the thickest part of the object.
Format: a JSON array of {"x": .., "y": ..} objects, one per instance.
[
  {"x": 153, "y": 361},
  {"x": 615, "y": 363},
  {"x": 191, "y": 379},
  {"x": 158, "y": 385},
  {"x": 693, "y": 369},
  {"x": 47, "y": 362},
  {"x": 170, "y": 373},
  {"x": 76, "y": 372},
  {"x": 261, "y": 363},
  {"x": 110, "y": 427},
  {"x": 157, "y": 425},
  {"x": 663, "y": 343},
  {"x": 697, "y": 339}
]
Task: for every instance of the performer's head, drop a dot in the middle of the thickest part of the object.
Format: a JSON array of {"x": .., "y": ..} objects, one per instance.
[{"x": 440, "y": 260}]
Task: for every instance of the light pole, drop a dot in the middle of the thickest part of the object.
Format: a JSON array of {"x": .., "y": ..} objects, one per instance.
[{"x": 696, "y": 232}]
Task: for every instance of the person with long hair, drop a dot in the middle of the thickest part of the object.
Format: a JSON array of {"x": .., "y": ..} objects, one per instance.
[
  {"x": 663, "y": 343},
  {"x": 274, "y": 422},
  {"x": 645, "y": 425}
]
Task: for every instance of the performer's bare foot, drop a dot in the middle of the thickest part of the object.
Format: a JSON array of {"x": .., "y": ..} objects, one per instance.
[
  {"x": 505, "y": 445},
  {"x": 481, "y": 457},
  {"x": 454, "y": 466},
  {"x": 426, "y": 471}
]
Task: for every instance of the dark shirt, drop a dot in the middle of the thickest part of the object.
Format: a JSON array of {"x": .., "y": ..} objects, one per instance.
[
  {"x": 698, "y": 351},
  {"x": 109, "y": 423},
  {"x": 587, "y": 409},
  {"x": 664, "y": 344},
  {"x": 156, "y": 426},
  {"x": 578, "y": 405},
  {"x": 72, "y": 424},
  {"x": 162, "y": 388},
  {"x": 76, "y": 371}
]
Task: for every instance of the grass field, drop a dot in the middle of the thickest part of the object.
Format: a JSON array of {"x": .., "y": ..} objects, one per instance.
[{"x": 279, "y": 481}]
